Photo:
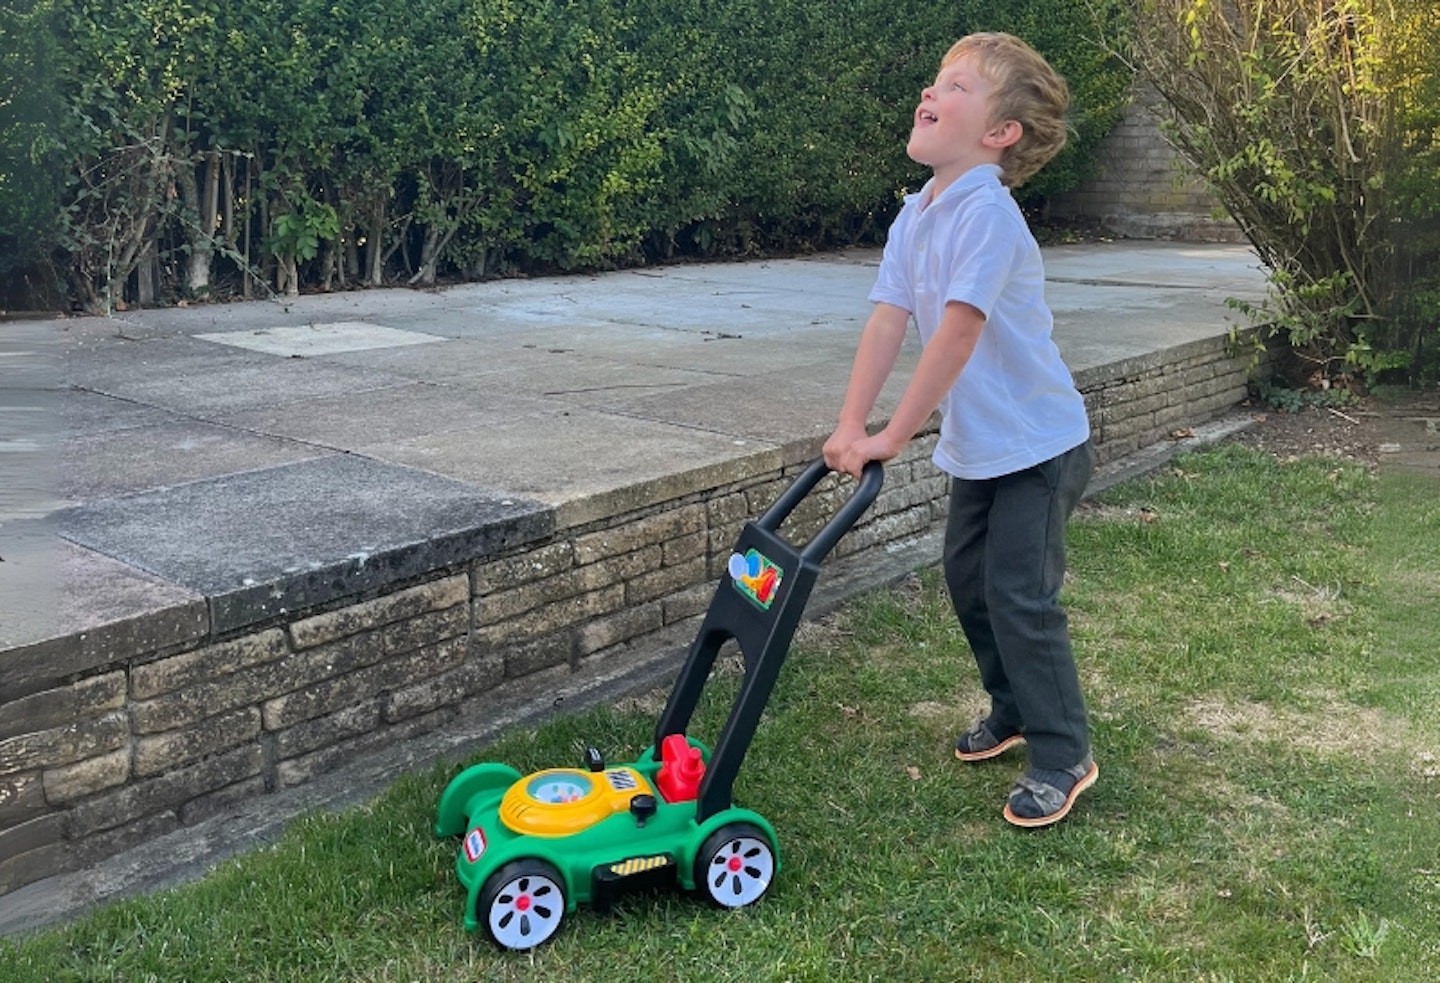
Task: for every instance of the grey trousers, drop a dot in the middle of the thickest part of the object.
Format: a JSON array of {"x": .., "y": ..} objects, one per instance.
[{"x": 1004, "y": 565}]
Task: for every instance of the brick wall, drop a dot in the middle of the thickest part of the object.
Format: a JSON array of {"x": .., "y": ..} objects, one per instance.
[
  {"x": 167, "y": 731},
  {"x": 1143, "y": 189}
]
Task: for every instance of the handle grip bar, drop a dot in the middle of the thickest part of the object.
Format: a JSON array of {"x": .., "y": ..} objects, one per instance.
[{"x": 871, "y": 478}]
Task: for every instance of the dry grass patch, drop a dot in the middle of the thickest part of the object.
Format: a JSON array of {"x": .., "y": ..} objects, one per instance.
[{"x": 1334, "y": 728}]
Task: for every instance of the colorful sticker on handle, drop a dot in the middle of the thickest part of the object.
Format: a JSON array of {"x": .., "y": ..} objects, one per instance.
[{"x": 756, "y": 576}]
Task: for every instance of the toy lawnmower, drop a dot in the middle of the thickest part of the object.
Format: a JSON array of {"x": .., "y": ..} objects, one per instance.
[{"x": 534, "y": 847}]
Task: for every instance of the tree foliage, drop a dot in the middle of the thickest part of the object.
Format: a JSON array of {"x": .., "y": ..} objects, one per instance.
[
  {"x": 30, "y": 191},
  {"x": 1317, "y": 123},
  {"x": 200, "y": 147}
]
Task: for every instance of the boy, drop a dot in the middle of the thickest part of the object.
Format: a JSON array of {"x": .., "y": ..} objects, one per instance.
[{"x": 1014, "y": 436}]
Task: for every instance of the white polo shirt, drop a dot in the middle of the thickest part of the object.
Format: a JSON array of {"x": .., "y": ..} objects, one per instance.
[{"x": 1015, "y": 404}]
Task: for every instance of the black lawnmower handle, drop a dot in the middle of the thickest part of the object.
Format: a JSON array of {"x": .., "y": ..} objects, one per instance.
[{"x": 871, "y": 478}]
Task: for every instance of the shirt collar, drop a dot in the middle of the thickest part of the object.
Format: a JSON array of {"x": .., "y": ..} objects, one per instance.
[{"x": 978, "y": 175}]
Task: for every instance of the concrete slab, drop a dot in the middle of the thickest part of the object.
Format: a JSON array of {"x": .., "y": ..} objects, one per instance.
[
  {"x": 309, "y": 340},
  {"x": 200, "y": 379},
  {"x": 352, "y": 421},
  {"x": 29, "y": 383},
  {"x": 1228, "y": 269},
  {"x": 456, "y": 359},
  {"x": 769, "y": 407},
  {"x": 575, "y": 459},
  {"x": 67, "y": 609},
  {"x": 359, "y": 305},
  {"x": 588, "y": 380},
  {"x": 84, "y": 414},
  {"x": 114, "y": 463},
  {"x": 259, "y": 543},
  {"x": 700, "y": 308}
]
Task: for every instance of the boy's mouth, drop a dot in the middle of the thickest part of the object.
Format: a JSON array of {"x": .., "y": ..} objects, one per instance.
[{"x": 925, "y": 116}]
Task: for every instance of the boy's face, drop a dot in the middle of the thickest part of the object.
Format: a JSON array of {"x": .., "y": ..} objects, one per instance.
[{"x": 953, "y": 131}]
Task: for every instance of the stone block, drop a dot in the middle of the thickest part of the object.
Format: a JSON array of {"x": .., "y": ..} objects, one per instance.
[
  {"x": 71, "y": 782},
  {"x": 426, "y": 629},
  {"x": 36, "y": 834},
  {"x": 25, "y": 868},
  {"x": 297, "y": 771},
  {"x": 548, "y": 619},
  {"x": 632, "y": 536},
  {"x": 684, "y": 548},
  {"x": 172, "y": 749},
  {"x": 63, "y": 745},
  {"x": 687, "y": 603},
  {"x": 221, "y": 801},
  {"x": 1199, "y": 375},
  {"x": 101, "y": 612},
  {"x": 666, "y": 580},
  {"x": 1128, "y": 426},
  {"x": 489, "y": 577},
  {"x": 318, "y": 732},
  {"x": 106, "y": 843},
  {"x": 623, "y": 626},
  {"x": 450, "y": 688},
  {"x": 22, "y": 797},
  {"x": 760, "y": 497},
  {"x": 57, "y": 707},
  {"x": 438, "y": 595},
  {"x": 173, "y": 710},
  {"x": 722, "y": 542},
  {"x": 557, "y": 649},
  {"x": 326, "y": 697},
  {"x": 213, "y": 661},
  {"x": 576, "y": 582},
  {"x": 728, "y": 509},
  {"x": 331, "y": 695},
  {"x": 164, "y": 794}
]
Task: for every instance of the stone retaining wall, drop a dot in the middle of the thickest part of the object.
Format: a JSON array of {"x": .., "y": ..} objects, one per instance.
[
  {"x": 1143, "y": 190},
  {"x": 168, "y": 731}
]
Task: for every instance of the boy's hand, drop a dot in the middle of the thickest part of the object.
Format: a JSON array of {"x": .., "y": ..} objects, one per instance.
[
  {"x": 840, "y": 441},
  {"x": 855, "y": 455}
]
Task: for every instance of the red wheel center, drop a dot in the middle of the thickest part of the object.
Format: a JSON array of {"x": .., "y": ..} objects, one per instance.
[
  {"x": 735, "y": 864},
  {"x": 522, "y": 903}
]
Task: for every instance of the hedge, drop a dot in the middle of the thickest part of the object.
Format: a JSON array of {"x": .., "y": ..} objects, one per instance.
[{"x": 192, "y": 148}]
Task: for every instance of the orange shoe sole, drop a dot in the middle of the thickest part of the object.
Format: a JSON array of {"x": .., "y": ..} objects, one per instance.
[
  {"x": 992, "y": 752},
  {"x": 1085, "y": 782}
]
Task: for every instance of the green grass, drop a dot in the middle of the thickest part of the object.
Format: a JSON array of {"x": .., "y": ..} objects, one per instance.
[{"x": 1258, "y": 644}]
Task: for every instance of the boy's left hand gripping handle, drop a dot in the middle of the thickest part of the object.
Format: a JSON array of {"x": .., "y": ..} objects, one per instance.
[{"x": 871, "y": 479}]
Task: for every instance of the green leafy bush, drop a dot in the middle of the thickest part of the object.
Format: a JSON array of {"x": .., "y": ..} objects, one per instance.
[
  {"x": 1316, "y": 124},
  {"x": 208, "y": 147}
]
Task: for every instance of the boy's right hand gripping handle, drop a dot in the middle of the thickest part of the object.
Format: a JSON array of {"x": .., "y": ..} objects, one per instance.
[{"x": 871, "y": 478}]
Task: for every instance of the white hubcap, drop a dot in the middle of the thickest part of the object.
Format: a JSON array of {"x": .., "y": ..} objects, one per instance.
[
  {"x": 526, "y": 912},
  {"x": 740, "y": 871}
]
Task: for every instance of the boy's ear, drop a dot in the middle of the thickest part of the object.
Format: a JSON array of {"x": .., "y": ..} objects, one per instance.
[{"x": 1004, "y": 134}]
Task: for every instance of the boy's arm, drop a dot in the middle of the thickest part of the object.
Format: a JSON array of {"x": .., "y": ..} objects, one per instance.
[
  {"x": 945, "y": 355},
  {"x": 875, "y": 357}
]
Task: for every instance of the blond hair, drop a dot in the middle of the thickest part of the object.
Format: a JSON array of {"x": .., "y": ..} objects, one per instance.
[{"x": 1024, "y": 88}]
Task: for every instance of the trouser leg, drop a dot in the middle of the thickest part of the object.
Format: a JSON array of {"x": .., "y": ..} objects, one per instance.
[
  {"x": 1005, "y": 565},
  {"x": 966, "y": 536}
]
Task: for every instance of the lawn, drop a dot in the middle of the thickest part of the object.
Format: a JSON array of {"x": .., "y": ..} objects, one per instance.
[{"x": 1257, "y": 639}]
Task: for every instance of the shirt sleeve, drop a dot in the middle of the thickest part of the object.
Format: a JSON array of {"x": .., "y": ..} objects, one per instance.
[
  {"x": 988, "y": 245},
  {"x": 892, "y": 283}
]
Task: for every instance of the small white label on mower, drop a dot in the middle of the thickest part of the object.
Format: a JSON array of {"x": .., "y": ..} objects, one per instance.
[{"x": 474, "y": 844}]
